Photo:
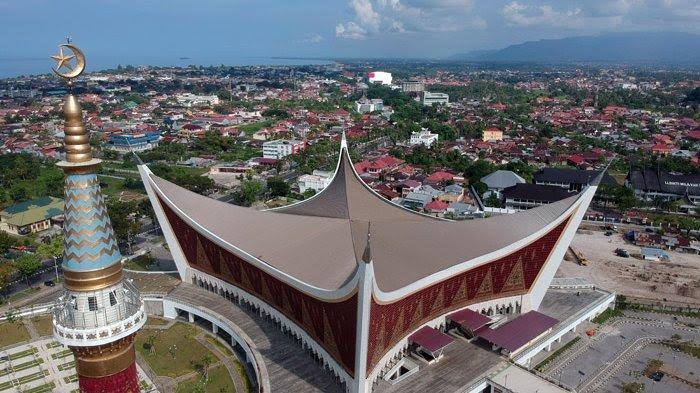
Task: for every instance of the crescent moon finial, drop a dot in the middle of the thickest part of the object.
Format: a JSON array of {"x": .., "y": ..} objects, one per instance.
[{"x": 74, "y": 62}]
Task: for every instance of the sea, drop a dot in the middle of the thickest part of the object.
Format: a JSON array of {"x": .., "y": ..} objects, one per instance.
[{"x": 13, "y": 67}]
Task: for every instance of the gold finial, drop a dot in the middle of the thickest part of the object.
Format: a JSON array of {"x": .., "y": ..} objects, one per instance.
[
  {"x": 77, "y": 139},
  {"x": 74, "y": 63}
]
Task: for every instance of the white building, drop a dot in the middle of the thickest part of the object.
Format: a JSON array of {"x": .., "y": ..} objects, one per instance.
[
  {"x": 424, "y": 137},
  {"x": 380, "y": 77},
  {"x": 281, "y": 148},
  {"x": 189, "y": 100},
  {"x": 435, "y": 98},
  {"x": 317, "y": 181},
  {"x": 364, "y": 105}
]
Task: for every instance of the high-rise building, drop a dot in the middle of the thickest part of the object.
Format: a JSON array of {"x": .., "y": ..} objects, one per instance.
[{"x": 100, "y": 312}]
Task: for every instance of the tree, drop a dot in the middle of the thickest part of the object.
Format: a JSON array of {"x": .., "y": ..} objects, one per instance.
[
  {"x": 6, "y": 241},
  {"x": 277, "y": 187},
  {"x": 309, "y": 193},
  {"x": 151, "y": 343},
  {"x": 27, "y": 265},
  {"x": 249, "y": 192},
  {"x": 7, "y": 271},
  {"x": 52, "y": 249}
]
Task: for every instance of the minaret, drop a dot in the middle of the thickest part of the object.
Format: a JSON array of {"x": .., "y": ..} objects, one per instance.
[{"x": 100, "y": 312}]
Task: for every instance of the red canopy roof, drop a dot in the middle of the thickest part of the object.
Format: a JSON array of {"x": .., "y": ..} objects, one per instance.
[
  {"x": 431, "y": 339},
  {"x": 469, "y": 319},
  {"x": 518, "y": 332}
]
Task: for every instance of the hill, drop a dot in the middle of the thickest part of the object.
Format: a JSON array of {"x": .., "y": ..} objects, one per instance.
[{"x": 667, "y": 48}]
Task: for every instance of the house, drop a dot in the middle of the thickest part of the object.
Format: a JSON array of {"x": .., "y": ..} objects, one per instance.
[
  {"x": 316, "y": 181},
  {"x": 31, "y": 216},
  {"x": 436, "y": 207}
]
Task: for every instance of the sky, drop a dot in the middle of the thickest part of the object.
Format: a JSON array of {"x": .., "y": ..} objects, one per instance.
[{"x": 319, "y": 28}]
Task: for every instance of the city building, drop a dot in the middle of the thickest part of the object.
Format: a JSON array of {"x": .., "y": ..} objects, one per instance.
[
  {"x": 281, "y": 148},
  {"x": 431, "y": 99},
  {"x": 412, "y": 87},
  {"x": 31, "y": 216},
  {"x": 423, "y": 137},
  {"x": 570, "y": 179},
  {"x": 524, "y": 196},
  {"x": 99, "y": 313},
  {"x": 189, "y": 100},
  {"x": 354, "y": 277},
  {"x": 133, "y": 142},
  {"x": 499, "y": 181},
  {"x": 652, "y": 184},
  {"x": 492, "y": 134},
  {"x": 365, "y": 105},
  {"x": 316, "y": 181},
  {"x": 379, "y": 77}
]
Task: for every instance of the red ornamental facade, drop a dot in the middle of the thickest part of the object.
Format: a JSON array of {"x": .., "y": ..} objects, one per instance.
[
  {"x": 359, "y": 300},
  {"x": 125, "y": 381}
]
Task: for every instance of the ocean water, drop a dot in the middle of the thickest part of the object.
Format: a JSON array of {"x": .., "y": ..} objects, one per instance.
[{"x": 12, "y": 67}]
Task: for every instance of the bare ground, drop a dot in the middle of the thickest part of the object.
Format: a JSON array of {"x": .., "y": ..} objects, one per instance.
[{"x": 675, "y": 280}]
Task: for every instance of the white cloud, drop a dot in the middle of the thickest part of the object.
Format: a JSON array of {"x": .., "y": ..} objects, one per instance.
[
  {"x": 350, "y": 30},
  {"x": 401, "y": 16},
  {"x": 542, "y": 15},
  {"x": 313, "y": 39}
]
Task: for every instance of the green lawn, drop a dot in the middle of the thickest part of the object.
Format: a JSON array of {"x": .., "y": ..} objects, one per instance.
[
  {"x": 21, "y": 294},
  {"x": 252, "y": 128},
  {"x": 219, "y": 382},
  {"x": 43, "y": 325},
  {"x": 156, "y": 321},
  {"x": 189, "y": 350},
  {"x": 13, "y": 333}
]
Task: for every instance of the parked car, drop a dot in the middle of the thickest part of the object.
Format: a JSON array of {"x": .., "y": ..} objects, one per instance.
[
  {"x": 49, "y": 283},
  {"x": 621, "y": 252},
  {"x": 657, "y": 376},
  {"x": 608, "y": 233}
]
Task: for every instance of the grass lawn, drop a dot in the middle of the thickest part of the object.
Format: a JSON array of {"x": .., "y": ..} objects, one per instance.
[
  {"x": 43, "y": 325},
  {"x": 13, "y": 333},
  {"x": 156, "y": 321},
  {"x": 252, "y": 128},
  {"x": 189, "y": 350},
  {"x": 219, "y": 382},
  {"x": 141, "y": 263},
  {"x": 111, "y": 186},
  {"x": 21, "y": 294}
]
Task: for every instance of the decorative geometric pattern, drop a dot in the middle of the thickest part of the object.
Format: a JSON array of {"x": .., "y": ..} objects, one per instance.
[
  {"x": 89, "y": 239},
  {"x": 125, "y": 381},
  {"x": 507, "y": 276},
  {"x": 331, "y": 325}
]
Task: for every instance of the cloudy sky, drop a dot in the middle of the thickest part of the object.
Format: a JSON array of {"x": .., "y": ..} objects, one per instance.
[{"x": 352, "y": 28}]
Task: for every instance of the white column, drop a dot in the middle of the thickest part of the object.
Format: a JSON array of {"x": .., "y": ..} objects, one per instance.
[
  {"x": 214, "y": 328},
  {"x": 190, "y": 317},
  {"x": 364, "y": 298}
]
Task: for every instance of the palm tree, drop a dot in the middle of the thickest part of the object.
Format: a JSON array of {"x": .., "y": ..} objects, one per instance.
[
  {"x": 151, "y": 341},
  {"x": 206, "y": 363}
]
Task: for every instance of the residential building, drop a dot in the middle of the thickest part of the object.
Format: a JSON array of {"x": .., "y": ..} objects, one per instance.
[
  {"x": 500, "y": 180},
  {"x": 412, "y": 87},
  {"x": 434, "y": 98},
  {"x": 31, "y": 216},
  {"x": 424, "y": 137},
  {"x": 316, "y": 181},
  {"x": 365, "y": 105},
  {"x": 571, "y": 179},
  {"x": 492, "y": 134},
  {"x": 281, "y": 148},
  {"x": 189, "y": 100}
]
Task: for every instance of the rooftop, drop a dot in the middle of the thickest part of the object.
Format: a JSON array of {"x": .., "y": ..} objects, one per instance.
[
  {"x": 32, "y": 211},
  {"x": 406, "y": 246}
]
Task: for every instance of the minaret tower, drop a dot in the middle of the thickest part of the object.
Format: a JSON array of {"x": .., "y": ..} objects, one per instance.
[{"x": 100, "y": 312}]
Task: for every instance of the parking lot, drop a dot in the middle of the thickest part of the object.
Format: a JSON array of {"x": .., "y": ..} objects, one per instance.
[{"x": 621, "y": 349}]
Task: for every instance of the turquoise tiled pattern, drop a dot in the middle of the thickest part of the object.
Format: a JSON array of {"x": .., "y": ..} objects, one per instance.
[{"x": 89, "y": 239}]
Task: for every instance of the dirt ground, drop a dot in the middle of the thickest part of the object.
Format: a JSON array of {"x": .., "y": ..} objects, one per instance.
[{"x": 675, "y": 280}]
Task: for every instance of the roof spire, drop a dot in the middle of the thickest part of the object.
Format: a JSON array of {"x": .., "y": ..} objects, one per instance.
[
  {"x": 343, "y": 140},
  {"x": 367, "y": 254}
]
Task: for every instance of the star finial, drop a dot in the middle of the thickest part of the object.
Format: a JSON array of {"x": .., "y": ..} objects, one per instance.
[{"x": 62, "y": 60}]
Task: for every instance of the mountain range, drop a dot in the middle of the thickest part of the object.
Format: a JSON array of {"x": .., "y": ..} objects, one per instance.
[{"x": 648, "y": 48}]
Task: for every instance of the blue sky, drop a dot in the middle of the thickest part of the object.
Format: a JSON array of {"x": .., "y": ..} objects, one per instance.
[{"x": 352, "y": 28}]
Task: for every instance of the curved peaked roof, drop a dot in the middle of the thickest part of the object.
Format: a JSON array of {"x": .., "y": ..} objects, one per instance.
[{"x": 321, "y": 240}]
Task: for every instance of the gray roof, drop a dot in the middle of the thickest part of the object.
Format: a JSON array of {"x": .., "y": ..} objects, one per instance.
[
  {"x": 502, "y": 179},
  {"x": 322, "y": 240}
]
